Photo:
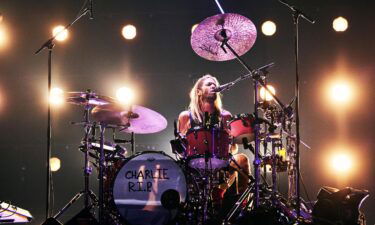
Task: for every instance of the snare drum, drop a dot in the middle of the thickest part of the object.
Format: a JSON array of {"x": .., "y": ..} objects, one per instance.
[
  {"x": 212, "y": 143},
  {"x": 148, "y": 189},
  {"x": 242, "y": 126}
]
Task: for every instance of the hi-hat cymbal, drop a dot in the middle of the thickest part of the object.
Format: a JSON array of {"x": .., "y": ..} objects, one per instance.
[
  {"x": 139, "y": 120},
  {"x": 88, "y": 98},
  {"x": 239, "y": 32}
]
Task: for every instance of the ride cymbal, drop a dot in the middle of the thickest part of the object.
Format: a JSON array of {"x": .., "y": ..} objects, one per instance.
[{"x": 238, "y": 31}]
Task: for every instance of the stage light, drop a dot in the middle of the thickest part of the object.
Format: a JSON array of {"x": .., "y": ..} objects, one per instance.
[
  {"x": 1, "y": 17},
  {"x": 61, "y": 32},
  {"x": 57, "y": 96},
  {"x": 3, "y": 36},
  {"x": 129, "y": 32},
  {"x": 193, "y": 27},
  {"x": 341, "y": 162},
  {"x": 268, "y": 28},
  {"x": 341, "y": 92},
  {"x": 125, "y": 95},
  {"x": 265, "y": 95},
  {"x": 340, "y": 24},
  {"x": 55, "y": 164}
]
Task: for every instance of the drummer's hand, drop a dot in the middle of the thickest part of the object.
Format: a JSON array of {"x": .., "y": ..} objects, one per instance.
[{"x": 233, "y": 148}]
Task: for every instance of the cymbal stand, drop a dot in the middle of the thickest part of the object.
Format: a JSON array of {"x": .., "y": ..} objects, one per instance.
[
  {"x": 86, "y": 192},
  {"x": 49, "y": 44},
  {"x": 102, "y": 128}
]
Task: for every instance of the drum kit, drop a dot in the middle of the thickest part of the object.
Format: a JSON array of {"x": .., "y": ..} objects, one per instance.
[{"x": 153, "y": 188}]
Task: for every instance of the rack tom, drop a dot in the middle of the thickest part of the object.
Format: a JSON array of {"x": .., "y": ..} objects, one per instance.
[{"x": 242, "y": 126}]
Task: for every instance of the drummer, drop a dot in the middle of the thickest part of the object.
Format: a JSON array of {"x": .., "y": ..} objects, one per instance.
[{"x": 203, "y": 99}]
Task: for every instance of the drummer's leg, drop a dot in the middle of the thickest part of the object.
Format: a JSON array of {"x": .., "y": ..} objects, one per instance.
[{"x": 243, "y": 161}]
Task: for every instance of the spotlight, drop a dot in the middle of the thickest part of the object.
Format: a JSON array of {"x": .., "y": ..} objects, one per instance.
[
  {"x": 129, "y": 32},
  {"x": 340, "y": 24},
  {"x": 125, "y": 95},
  {"x": 3, "y": 36},
  {"x": 55, "y": 164},
  {"x": 341, "y": 92},
  {"x": 61, "y": 32},
  {"x": 57, "y": 96},
  {"x": 193, "y": 27},
  {"x": 268, "y": 28},
  {"x": 265, "y": 95},
  {"x": 341, "y": 162}
]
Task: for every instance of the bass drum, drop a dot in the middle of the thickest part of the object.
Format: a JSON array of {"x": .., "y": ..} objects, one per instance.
[{"x": 148, "y": 189}]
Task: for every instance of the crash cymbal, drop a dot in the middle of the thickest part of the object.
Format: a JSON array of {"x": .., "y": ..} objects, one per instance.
[
  {"x": 88, "y": 98},
  {"x": 140, "y": 120},
  {"x": 208, "y": 37}
]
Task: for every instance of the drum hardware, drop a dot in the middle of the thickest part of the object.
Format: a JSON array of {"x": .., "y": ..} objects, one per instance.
[
  {"x": 49, "y": 44},
  {"x": 297, "y": 14},
  {"x": 83, "y": 99},
  {"x": 131, "y": 141},
  {"x": 244, "y": 196}
]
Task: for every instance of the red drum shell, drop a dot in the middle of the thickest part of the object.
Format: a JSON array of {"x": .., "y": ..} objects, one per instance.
[
  {"x": 242, "y": 126},
  {"x": 214, "y": 141}
]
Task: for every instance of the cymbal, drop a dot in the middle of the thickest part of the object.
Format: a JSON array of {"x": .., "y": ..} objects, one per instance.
[
  {"x": 208, "y": 37},
  {"x": 270, "y": 136},
  {"x": 139, "y": 120},
  {"x": 88, "y": 98}
]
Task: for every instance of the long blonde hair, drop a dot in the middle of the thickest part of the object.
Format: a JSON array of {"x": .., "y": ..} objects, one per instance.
[{"x": 195, "y": 105}]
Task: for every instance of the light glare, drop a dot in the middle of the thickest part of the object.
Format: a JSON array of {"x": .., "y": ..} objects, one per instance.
[
  {"x": 193, "y": 27},
  {"x": 129, "y": 32},
  {"x": 340, "y": 24},
  {"x": 57, "y": 96},
  {"x": 3, "y": 37},
  {"x": 125, "y": 95},
  {"x": 61, "y": 32},
  {"x": 268, "y": 28},
  {"x": 55, "y": 164},
  {"x": 341, "y": 93},
  {"x": 341, "y": 162},
  {"x": 265, "y": 95}
]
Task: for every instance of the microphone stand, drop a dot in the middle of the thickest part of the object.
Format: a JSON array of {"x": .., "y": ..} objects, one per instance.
[
  {"x": 49, "y": 44},
  {"x": 296, "y": 13}
]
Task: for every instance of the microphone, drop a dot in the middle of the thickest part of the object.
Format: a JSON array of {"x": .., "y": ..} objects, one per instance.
[
  {"x": 91, "y": 10},
  {"x": 224, "y": 87}
]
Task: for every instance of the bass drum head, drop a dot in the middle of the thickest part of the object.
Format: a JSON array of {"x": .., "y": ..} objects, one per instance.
[{"x": 148, "y": 189}]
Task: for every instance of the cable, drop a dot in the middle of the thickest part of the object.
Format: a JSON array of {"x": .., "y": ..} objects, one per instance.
[
  {"x": 7, "y": 210},
  {"x": 304, "y": 188}
]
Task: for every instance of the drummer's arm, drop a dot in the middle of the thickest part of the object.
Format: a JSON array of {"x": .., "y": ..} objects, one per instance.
[
  {"x": 183, "y": 122},
  {"x": 233, "y": 148}
]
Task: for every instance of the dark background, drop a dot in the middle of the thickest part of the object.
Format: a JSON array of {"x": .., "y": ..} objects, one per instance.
[{"x": 162, "y": 68}]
